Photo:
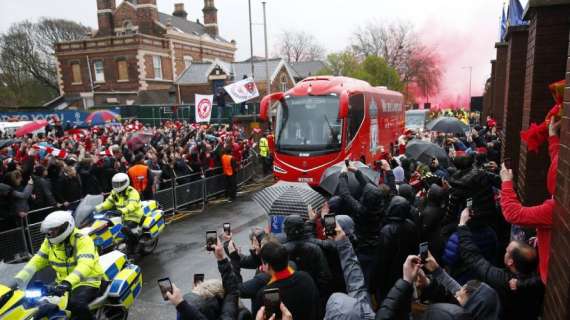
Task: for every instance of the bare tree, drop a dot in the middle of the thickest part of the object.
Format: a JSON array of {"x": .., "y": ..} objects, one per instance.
[
  {"x": 402, "y": 50},
  {"x": 27, "y": 50},
  {"x": 297, "y": 46}
]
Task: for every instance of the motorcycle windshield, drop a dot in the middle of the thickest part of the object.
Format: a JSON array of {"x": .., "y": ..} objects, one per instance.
[{"x": 86, "y": 207}]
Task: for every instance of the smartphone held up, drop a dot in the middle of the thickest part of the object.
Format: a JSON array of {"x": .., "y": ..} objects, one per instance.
[
  {"x": 165, "y": 286},
  {"x": 211, "y": 240}
]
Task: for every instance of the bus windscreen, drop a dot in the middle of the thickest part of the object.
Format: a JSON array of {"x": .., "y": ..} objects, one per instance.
[{"x": 308, "y": 124}]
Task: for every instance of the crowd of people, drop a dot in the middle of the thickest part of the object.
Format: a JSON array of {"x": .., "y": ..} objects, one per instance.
[
  {"x": 372, "y": 267},
  {"x": 466, "y": 116},
  {"x": 61, "y": 166}
]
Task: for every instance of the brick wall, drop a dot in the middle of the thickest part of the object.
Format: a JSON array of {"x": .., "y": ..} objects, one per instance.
[
  {"x": 499, "y": 83},
  {"x": 557, "y": 299},
  {"x": 105, "y": 18},
  {"x": 517, "y": 38},
  {"x": 546, "y": 63},
  {"x": 123, "y": 13}
]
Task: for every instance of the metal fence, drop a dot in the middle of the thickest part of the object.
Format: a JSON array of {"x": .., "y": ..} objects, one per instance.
[
  {"x": 156, "y": 114},
  {"x": 22, "y": 242}
]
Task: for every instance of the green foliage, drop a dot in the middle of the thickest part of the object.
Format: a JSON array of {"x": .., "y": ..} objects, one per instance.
[
  {"x": 373, "y": 69},
  {"x": 376, "y": 71}
]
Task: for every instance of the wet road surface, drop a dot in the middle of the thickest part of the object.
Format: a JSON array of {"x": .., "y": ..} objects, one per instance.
[{"x": 180, "y": 253}]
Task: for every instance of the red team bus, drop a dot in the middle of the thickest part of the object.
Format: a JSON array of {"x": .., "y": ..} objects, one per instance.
[{"x": 324, "y": 120}]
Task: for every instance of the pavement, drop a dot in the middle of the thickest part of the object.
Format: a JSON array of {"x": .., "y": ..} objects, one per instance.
[{"x": 180, "y": 252}]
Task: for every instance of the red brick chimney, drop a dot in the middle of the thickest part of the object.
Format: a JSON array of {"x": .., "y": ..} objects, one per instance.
[
  {"x": 105, "y": 10},
  {"x": 210, "y": 18},
  {"x": 147, "y": 14},
  {"x": 179, "y": 11}
]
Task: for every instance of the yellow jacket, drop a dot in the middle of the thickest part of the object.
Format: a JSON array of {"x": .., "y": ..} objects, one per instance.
[
  {"x": 127, "y": 202},
  {"x": 263, "y": 147},
  {"x": 75, "y": 260}
]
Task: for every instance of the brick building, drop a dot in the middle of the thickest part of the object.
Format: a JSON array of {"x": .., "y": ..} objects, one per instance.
[{"x": 137, "y": 53}]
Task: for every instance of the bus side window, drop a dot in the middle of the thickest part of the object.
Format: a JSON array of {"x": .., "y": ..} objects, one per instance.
[{"x": 355, "y": 115}]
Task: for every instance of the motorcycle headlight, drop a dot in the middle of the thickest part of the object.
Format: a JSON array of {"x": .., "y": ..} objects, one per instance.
[{"x": 33, "y": 293}]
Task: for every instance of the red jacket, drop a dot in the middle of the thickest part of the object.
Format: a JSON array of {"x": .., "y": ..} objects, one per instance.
[{"x": 539, "y": 217}]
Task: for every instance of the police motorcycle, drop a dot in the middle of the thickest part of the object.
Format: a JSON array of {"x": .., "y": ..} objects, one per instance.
[
  {"x": 106, "y": 228},
  {"x": 40, "y": 301},
  {"x": 121, "y": 281}
]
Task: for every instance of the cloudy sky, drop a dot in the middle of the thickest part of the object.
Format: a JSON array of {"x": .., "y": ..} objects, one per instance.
[{"x": 463, "y": 31}]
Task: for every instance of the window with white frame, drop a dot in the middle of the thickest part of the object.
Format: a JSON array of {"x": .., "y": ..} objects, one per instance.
[
  {"x": 283, "y": 83},
  {"x": 157, "y": 66},
  {"x": 99, "y": 71}
]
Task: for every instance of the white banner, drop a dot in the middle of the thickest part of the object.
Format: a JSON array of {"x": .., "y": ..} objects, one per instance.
[
  {"x": 203, "y": 107},
  {"x": 243, "y": 90}
]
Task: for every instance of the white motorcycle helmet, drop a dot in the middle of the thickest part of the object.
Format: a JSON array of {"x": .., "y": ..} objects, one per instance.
[
  {"x": 120, "y": 182},
  {"x": 57, "y": 226}
]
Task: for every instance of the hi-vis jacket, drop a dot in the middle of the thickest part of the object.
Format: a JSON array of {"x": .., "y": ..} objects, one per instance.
[
  {"x": 127, "y": 202},
  {"x": 263, "y": 147},
  {"x": 75, "y": 260}
]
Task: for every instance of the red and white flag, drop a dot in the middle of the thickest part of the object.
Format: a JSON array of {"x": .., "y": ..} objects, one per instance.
[
  {"x": 243, "y": 90},
  {"x": 203, "y": 107},
  {"x": 52, "y": 151}
]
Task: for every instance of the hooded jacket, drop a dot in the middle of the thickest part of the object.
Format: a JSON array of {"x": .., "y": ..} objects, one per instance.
[
  {"x": 367, "y": 213},
  {"x": 399, "y": 238},
  {"x": 199, "y": 308},
  {"x": 470, "y": 182},
  {"x": 431, "y": 218},
  {"x": 307, "y": 255},
  {"x": 483, "y": 304}
]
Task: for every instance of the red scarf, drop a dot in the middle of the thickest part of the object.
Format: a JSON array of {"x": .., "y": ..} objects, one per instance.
[{"x": 282, "y": 275}]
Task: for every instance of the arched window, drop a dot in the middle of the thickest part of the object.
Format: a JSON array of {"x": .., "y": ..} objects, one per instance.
[{"x": 128, "y": 27}]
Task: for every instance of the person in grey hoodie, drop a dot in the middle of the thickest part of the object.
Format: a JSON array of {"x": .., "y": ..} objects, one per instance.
[{"x": 355, "y": 304}]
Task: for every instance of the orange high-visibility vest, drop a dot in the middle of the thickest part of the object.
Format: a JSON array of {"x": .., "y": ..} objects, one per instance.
[
  {"x": 139, "y": 177},
  {"x": 227, "y": 165}
]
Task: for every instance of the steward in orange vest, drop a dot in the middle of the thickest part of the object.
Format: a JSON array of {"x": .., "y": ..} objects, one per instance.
[
  {"x": 229, "y": 166},
  {"x": 140, "y": 177}
]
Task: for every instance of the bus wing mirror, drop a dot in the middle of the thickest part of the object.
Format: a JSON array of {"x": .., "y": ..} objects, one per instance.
[
  {"x": 343, "y": 108},
  {"x": 266, "y": 104}
]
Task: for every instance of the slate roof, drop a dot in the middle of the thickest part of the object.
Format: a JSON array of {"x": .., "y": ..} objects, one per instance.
[
  {"x": 307, "y": 68},
  {"x": 186, "y": 26},
  {"x": 197, "y": 73}
]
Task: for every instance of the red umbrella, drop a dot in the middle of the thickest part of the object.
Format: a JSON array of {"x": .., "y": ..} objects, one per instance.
[
  {"x": 31, "y": 127},
  {"x": 101, "y": 117}
]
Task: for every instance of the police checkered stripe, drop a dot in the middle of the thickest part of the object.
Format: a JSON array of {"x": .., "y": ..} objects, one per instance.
[
  {"x": 288, "y": 200},
  {"x": 127, "y": 285}
]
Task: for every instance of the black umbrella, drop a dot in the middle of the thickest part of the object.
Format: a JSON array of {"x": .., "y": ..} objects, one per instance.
[
  {"x": 8, "y": 142},
  {"x": 448, "y": 125},
  {"x": 424, "y": 152},
  {"x": 289, "y": 198},
  {"x": 330, "y": 178}
]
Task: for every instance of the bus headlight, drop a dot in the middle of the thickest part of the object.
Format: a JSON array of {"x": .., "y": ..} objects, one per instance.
[{"x": 278, "y": 169}]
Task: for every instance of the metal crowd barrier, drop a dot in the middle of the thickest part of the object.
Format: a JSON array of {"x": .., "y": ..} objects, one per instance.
[{"x": 21, "y": 242}]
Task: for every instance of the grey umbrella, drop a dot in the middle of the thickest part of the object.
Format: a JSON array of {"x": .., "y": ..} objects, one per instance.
[
  {"x": 424, "y": 152},
  {"x": 288, "y": 198},
  {"x": 448, "y": 125}
]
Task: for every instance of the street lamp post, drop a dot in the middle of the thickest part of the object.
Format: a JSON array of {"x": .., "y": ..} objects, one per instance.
[
  {"x": 470, "y": 74},
  {"x": 268, "y": 83},
  {"x": 251, "y": 40}
]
